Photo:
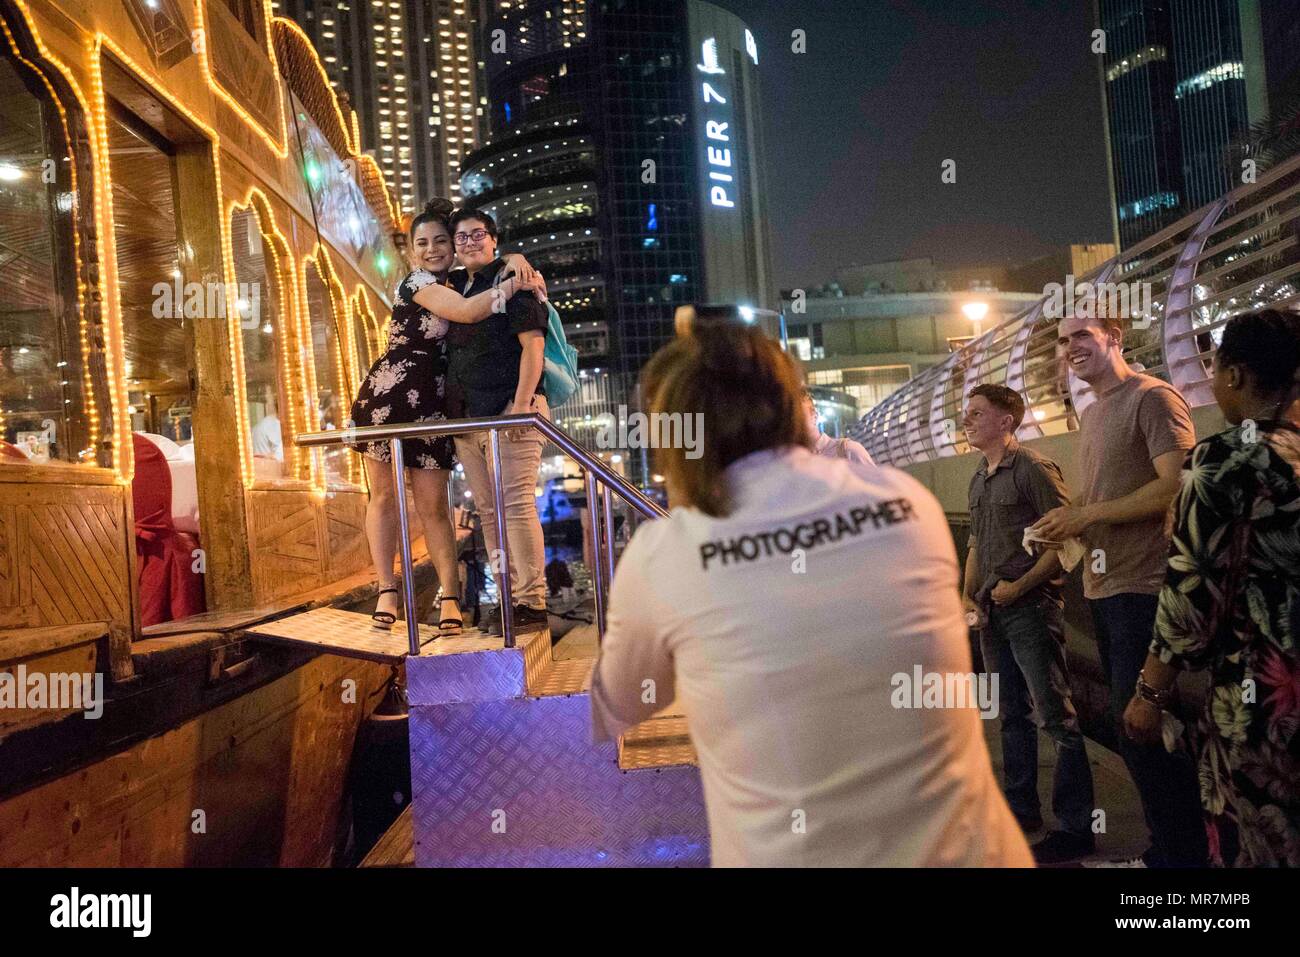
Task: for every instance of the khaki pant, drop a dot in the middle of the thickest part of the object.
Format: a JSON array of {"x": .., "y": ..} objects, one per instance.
[{"x": 521, "y": 457}]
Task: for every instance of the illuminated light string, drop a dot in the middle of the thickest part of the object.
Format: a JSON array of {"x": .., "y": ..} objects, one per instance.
[
  {"x": 281, "y": 147},
  {"x": 306, "y": 359},
  {"x": 334, "y": 290},
  {"x": 95, "y": 109},
  {"x": 235, "y": 332},
  {"x": 351, "y": 132},
  {"x": 94, "y": 418},
  {"x": 345, "y": 354},
  {"x": 89, "y": 407},
  {"x": 290, "y": 366},
  {"x": 123, "y": 454},
  {"x": 338, "y": 306},
  {"x": 101, "y": 122}
]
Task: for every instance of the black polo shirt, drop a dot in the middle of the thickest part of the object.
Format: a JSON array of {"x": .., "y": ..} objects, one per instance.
[
  {"x": 1022, "y": 489},
  {"x": 483, "y": 358}
]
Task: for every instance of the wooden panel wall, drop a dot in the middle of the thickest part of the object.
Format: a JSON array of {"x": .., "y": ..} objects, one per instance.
[
  {"x": 267, "y": 769},
  {"x": 288, "y": 552},
  {"x": 298, "y": 542},
  {"x": 63, "y": 555},
  {"x": 344, "y": 517}
]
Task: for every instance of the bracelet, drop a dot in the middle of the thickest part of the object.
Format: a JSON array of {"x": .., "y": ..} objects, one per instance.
[{"x": 1153, "y": 696}]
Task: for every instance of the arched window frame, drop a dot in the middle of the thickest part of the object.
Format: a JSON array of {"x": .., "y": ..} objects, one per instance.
[
  {"x": 289, "y": 371},
  {"x": 69, "y": 146},
  {"x": 340, "y": 366}
]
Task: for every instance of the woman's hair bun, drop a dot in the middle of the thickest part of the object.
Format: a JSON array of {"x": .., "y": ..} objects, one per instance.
[{"x": 439, "y": 207}]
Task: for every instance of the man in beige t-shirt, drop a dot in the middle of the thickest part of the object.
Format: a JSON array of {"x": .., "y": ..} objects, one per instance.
[{"x": 1133, "y": 438}]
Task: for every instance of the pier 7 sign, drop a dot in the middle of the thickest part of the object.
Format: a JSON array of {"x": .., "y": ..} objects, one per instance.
[{"x": 717, "y": 122}]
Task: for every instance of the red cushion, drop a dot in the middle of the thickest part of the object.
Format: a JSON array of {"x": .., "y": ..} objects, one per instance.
[
  {"x": 151, "y": 490},
  {"x": 169, "y": 588}
]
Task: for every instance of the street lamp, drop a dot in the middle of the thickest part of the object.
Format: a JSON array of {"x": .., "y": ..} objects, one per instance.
[{"x": 975, "y": 312}]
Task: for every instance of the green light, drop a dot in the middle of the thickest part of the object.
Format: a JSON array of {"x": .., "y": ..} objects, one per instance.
[
  {"x": 381, "y": 261},
  {"x": 313, "y": 172}
]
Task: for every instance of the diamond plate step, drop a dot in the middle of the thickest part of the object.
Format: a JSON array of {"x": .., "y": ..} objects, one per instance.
[
  {"x": 572, "y": 676},
  {"x": 662, "y": 742},
  {"x": 504, "y": 772}
]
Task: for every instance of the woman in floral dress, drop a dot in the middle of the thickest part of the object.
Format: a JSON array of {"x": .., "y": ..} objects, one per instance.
[
  {"x": 1231, "y": 600},
  {"x": 408, "y": 384}
]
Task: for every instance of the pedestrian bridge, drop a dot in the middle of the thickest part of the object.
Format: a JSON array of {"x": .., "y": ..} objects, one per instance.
[{"x": 1239, "y": 253}]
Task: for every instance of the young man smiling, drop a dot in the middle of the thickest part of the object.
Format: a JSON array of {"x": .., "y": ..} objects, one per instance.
[
  {"x": 495, "y": 368},
  {"x": 1018, "y": 598},
  {"x": 1132, "y": 439}
]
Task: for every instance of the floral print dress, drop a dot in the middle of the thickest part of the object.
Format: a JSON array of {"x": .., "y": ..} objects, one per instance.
[
  {"x": 1237, "y": 541},
  {"x": 408, "y": 383}
]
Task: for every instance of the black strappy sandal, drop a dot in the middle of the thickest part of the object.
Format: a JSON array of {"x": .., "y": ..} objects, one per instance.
[
  {"x": 383, "y": 619},
  {"x": 450, "y": 626}
]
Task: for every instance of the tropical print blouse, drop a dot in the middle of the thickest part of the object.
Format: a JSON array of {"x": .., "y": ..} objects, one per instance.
[{"x": 1237, "y": 539}]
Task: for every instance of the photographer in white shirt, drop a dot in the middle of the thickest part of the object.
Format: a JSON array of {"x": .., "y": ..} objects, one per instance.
[{"x": 780, "y": 603}]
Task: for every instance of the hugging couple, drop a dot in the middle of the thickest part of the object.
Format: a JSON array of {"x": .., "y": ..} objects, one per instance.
[{"x": 451, "y": 355}]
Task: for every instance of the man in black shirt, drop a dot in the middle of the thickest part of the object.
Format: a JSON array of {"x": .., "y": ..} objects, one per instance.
[
  {"x": 495, "y": 368},
  {"x": 1018, "y": 599}
]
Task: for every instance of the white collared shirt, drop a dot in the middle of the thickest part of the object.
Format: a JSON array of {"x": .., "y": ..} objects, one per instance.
[{"x": 779, "y": 630}]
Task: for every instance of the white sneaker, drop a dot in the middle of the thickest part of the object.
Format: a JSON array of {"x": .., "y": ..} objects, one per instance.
[{"x": 1129, "y": 862}]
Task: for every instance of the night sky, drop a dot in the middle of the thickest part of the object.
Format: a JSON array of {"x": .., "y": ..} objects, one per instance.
[{"x": 856, "y": 130}]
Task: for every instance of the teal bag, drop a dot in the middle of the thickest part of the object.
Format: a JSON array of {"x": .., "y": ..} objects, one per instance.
[{"x": 559, "y": 362}]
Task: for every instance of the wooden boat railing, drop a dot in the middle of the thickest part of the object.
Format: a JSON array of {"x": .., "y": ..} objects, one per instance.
[{"x": 600, "y": 478}]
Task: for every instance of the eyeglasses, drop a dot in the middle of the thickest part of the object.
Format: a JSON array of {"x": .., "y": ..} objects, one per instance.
[{"x": 477, "y": 236}]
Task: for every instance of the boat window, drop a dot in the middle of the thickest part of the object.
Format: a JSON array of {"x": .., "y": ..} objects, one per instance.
[
  {"x": 261, "y": 324},
  {"x": 333, "y": 399},
  {"x": 44, "y": 418},
  {"x": 160, "y": 303}
]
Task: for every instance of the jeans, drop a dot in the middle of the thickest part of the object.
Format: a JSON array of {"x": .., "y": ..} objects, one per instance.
[
  {"x": 1024, "y": 644},
  {"x": 521, "y": 457},
  {"x": 1166, "y": 783}
]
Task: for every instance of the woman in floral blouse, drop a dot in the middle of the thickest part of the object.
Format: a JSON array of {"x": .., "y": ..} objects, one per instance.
[
  {"x": 1231, "y": 600},
  {"x": 408, "y": 384}
]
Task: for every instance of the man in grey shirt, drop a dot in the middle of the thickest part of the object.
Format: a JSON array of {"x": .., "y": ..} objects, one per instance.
[
  {"x": 1133, "y": 438},
  {"x": 1017, "y": 598}
]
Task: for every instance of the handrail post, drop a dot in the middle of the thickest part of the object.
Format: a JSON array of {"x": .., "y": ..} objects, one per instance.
[
  {"x": 504, "y": 591},
  {"x": 404, "y": 540},
  {"x": 597, "y": 562},
  {"x": 607, "y": 507}
]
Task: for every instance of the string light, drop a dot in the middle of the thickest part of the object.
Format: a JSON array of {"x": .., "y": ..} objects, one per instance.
[
  {"x": 278, "y": 147},
  {"x": 289, "y": 345},
  {"x": 88, "y": 398},
  {"x": 123, "y": 453},
  {"x": 351, "y": 132},
  {"x": 297, "y": 373}
]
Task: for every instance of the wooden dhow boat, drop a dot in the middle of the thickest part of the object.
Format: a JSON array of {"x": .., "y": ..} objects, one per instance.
[{"x": 196, "y": 264}]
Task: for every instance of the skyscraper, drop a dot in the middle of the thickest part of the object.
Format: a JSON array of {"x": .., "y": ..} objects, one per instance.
[
  {"x": 1280, "y": 22},
  {"x": 1182, "y": 81},
  {"x": 623, "y": 163},
  {"x": 410, "y": 69}
]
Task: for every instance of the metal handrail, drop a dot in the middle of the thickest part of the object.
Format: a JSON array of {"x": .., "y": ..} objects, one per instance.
[
  {"x": 602, "y": 545},
  {"x": 1234, "y": 254}
]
